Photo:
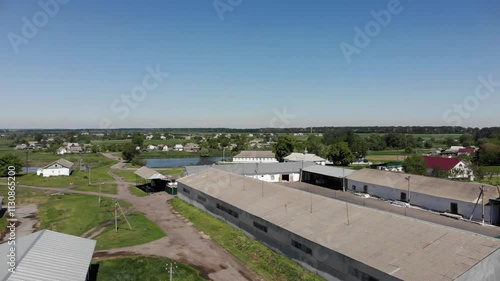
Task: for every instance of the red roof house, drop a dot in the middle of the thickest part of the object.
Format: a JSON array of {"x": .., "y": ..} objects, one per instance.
[
  {"x": 466, "y": 151},
  {"x": 456, "y": 167}
]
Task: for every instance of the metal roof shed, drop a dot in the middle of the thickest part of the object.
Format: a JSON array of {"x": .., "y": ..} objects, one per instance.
[{"x": 47, "y": 256}]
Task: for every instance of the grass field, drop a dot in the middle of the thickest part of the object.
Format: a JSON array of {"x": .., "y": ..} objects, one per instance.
[
  {"x": 260, "y": 259},
  {"x": 126, "y": 175},
  {"x": 40, "y": 159},
  {"x": 144, "y": 268},
  {"x": 26, "y": 195},
  {"x": 137, "y": 191},
  {"x": 77, "y": 178},
  {"x": 76, "y": 214},
  {"x": 491, "y": 169},
  {"x": 105, "y": 188}
]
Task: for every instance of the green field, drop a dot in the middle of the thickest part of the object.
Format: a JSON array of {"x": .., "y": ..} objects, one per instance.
[
  {"x": 77, "y": 178},
  {"x": 105, "y": 188},
  {"x": 40, "y": 159},
  {"x": 76, "y": 214},
  {"x": 144, "y": 268},
  {"x": 126, "y": 175},
  {"x": 267, "y": 264},
  {"x": 26, "y": 195}
]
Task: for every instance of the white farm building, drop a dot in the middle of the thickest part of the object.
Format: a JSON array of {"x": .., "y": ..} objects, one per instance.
[{"x": 60, "y": 167}]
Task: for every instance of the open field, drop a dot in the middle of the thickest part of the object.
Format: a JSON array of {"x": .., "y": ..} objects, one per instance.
[
  {"x": 4, "y": 146},
  {"x": 126, "y": 175},
  {"x": 385, "y": 158},
  {"x": 77, "y": 178},
  {"x": 144, "y": 268},
  {"x": 26, "y": 195},
  {"x": 105, "y": 188},
  {"x": 491, "y": 169},
  {"x": 108, "y": 142},
  {"x": 77, "y": 214},
  {"x": 265, "y": 263},
  {"x": 423, "y": 136},
  {"x": 40, "y": 159}
]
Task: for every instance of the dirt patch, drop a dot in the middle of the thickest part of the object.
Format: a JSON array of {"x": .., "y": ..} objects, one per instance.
[
  {"x": 204, "y": 271},
  {"x": 106, "y": 255},
  {"x": 27, "y": 221}
]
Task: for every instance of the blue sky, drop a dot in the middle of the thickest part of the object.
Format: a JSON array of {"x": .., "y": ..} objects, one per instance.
[{"x": 260, "y": 61}]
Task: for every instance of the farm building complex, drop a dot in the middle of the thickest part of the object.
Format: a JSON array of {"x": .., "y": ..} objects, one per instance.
[{"x": 341, "y": 241}]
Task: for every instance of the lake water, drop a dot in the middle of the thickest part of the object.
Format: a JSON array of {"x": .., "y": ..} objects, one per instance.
[{"x": 179, "y": 162}]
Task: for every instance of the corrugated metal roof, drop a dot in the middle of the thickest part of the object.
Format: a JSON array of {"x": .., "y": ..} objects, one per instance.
[
  {"x": 62, "y": 162},
  {"x": 49, "y": 256},
  {"x": 403, "y": 247},
  {"x": 254, "y": 168},
  {"x": 255, "y": 154},
  {"x": 295, "y": 156},
  {"x": 335, "y": 172},
  {"x": 457, "y": 190},
  {"x": 149, "y": 174}
]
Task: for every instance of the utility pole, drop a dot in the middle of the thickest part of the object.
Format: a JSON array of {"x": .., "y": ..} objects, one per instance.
[
  {"x": 343, "y": 179},
  {"x": 27, "y": 164},
  {"x": 347, "y": 211},
  {"x": 100, "y": 188},
  {"x": 89, "y": 175},
  {"x": 116, "y": 217},
  {"x": 482, "y": 203},
  {"x": 409, "y": 194}
]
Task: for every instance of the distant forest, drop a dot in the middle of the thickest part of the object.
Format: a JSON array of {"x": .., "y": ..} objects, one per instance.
[{"x": 481, "y": 133}]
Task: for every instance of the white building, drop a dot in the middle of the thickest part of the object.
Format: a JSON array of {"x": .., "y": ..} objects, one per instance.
[
  {"x": 305, "y": 157},
  {"x": 268, "y": 172},
  {"x": 152, "y": 147},
  {"x": 255, "y": 156},
  {"x": 60, "y": 167},
  {"x": 61, "y": 151},
  {"x": 441, "y": 195},
  {"x": 165, "y": 148},
  {"x": 179, "y": 147}
]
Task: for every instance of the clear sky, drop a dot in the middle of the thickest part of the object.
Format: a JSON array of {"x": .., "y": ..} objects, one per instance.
[{"x": 248, "y": 63}]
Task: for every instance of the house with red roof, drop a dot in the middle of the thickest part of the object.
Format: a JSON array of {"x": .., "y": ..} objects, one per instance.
[
  {"x": 466, "y": 151},
  {"x": 455, "y": 167}
]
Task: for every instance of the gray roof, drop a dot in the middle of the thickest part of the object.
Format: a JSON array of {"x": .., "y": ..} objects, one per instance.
[
  {"x": 457, "y": 190},
  {"x": 403, "y": 247},
  {"x": 47, "y": 255},
  {"x": 149, "y": 174},
  {"x": 255, "y": 154},
  {"x": 295, "y": 156},
  {"x": 62, "y": 162},
  {"x": 254, "y": 168},
  {"x": 330, "y": 171}
]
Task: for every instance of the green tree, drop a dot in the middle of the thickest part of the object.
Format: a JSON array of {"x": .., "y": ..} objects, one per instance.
[
  {"x": 414, "y": 165},
  {"x": 340, "y": 154},
  {"x": 204, "y": 152},
  {"x": 437, "y": 172},
  {"x": 129, "y": 152},
  {"x": 284, "y": 146},
  {"x": 466, "y": 140},
  {"x": 138, "y": 140},
  {"x": 8, "y": 160},
  {"x": 38, "y": 137}
]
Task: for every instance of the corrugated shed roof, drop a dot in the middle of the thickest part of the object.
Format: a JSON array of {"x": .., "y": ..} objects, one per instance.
[
  {"x": 47, "y": 256},
  {"x": 457, "y": 190},
  {"x": 403, "y": 247},
  {"x": 335, "y": 172},
  {"x": 62, "y": 162},
  {"x": 254, "y": 168},
  {"x": 295, "y": 156},
  {"x": 149, "y": 174},
  {"x": 255, "y": 154}
]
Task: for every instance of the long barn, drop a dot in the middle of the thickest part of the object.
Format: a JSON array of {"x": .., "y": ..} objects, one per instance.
[{"x": 342, "y": 241}]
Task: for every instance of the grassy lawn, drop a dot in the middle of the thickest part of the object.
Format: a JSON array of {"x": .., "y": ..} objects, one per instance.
[
  {"x": 76, "y": 214},
  {"x": 264, "y": 262},
  {"x": 126, "y": 175},
  {"x": 385, "y": 158},
  {"x": 106, "y": 188},
  {"x": 108, "y": 142},
  {"x": 491, "y": 169},
  {"x": 40, "y": 159},
  {"x": 143, "y": 268},
  {"x": 76, "y": 178},
  {"x": 26, "y": 195},
  {"x": 137, "y": 191}
]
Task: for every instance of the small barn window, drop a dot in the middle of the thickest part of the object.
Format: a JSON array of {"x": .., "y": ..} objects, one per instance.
[
  {"x": 354, "y": 187},
  {"x": 454, "y": 208},
  {"x": 186, "y": 190},
  {"x": 302, "y": 247},
  {"x": 227, "y": 210},
  {"x": 260, "y": 226},
  {"x": 201, "y": 198}
]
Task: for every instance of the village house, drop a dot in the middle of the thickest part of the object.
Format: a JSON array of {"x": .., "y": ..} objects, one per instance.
[
  {"x": 466, "y": 151},
  {"x": 454, "y": 167},
  {"x": 61, "y": 151},
  {"x": 60, "y": 167},
  {"x": 179, "y": 147},
  {"x": 191, "y": 147}
]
